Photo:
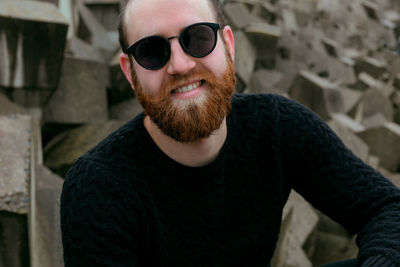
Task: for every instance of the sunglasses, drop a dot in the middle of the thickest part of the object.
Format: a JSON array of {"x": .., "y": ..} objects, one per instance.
[{"x": 153, "y": 52}]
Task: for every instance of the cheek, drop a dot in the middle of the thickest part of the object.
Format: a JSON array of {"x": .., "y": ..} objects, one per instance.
[{"x": 151, "y": 81}]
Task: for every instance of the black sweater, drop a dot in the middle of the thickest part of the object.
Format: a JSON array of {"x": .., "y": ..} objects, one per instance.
[{"x": 126, "y": 203}]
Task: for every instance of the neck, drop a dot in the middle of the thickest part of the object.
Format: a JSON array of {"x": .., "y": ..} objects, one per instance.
[{"x": 193, "y": 154}]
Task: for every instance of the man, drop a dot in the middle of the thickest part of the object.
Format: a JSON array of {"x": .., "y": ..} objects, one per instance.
[{"x": 200, "y": 179}]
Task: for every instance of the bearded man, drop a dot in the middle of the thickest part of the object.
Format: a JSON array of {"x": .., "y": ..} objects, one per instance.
[{"x": 201, "y": 177}]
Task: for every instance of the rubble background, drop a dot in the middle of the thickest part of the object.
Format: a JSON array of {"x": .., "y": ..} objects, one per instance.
[{"x": 62, "y": 91}]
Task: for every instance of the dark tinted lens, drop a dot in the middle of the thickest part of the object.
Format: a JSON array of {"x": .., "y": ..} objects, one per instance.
[
  {"x": 152, "y": 52},
  {"x": 199, "y": 40}
]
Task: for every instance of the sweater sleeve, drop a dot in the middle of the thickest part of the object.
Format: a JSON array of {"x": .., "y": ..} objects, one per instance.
[
  {"x": 99, "y": 218},
  {"x": 328, "y": 175}
]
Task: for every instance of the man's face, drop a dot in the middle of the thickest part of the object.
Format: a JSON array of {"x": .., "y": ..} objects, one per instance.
[{"x": 194, "y": 114}]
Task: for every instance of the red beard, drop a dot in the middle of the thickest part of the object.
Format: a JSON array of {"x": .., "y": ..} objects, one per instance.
[{"x": 192, "y": 121}]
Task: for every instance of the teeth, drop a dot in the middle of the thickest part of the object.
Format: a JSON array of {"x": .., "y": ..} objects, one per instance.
[{"x": 188, "y": 88}]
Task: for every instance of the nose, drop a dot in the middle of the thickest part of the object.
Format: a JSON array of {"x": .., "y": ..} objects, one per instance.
[{"x": 179, "y": 62}]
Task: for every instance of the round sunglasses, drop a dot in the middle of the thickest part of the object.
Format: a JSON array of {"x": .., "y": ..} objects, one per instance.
[{"x": 153, "y": 52}]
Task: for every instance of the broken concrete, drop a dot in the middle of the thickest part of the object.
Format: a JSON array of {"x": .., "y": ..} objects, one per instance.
[
  {"x": 384, "y": 142},
  {"x": 81, "y": 96},
  {"x": 15, "y": 143},
  {"x": 320, "y": 95},
  {"x": 27, "y": 26},
  {"x": 66, "y": 148}
]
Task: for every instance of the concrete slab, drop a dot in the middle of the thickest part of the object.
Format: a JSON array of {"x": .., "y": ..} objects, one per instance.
[
  {"x": 374, "y": 101},
  {"x": 106, "y": 12},
  {"x": 63, "y": 150},
  {"x": 24, "y": 27},
  {"x": 126, "y": 110},
  {"x": 374, "y": 67},
  {"x": 46, "y": 249},
  {"x": 15, "y": 157},
  {"x": 238, "y": 15},
  {"x": 81, "y": 96},
  {"x": 264, "y": 38},
  {"x": 320, "y": 95},
  {"x": 266, "y": 81},
  {"x": 7, "y": 107},
  {"x": 384, "y": 142}
]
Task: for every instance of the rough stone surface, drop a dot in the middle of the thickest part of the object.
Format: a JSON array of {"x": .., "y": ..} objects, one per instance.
[
  {"x": 15, "y": 143},
  {"x": 126, "y": 110},
  {"x": 64, "y": 149},
  {"x": 24, "y": 27},
  {"x": 81, "y": 96},
  {"x": 266, "y": 81},
  {"x": 384, "y": 142},
  {"x": 299, "y": 220},
  {"x": 318, "y": 94},
  {"x": 47, "y": 246},
  {"x": 7, "y": 107},
  {"x": 245, "y": 58}
]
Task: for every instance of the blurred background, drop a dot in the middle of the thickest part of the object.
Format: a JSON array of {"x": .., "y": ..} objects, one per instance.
[{"x": 62, "y": 91}]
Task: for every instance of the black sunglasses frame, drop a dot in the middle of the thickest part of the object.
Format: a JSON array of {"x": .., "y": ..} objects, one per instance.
[{"x": 132, "y": 49}]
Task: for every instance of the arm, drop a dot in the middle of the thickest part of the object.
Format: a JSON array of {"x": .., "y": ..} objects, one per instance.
[
  {"x": 99, "y": 218},
  {"x": 335, "y": 181}
]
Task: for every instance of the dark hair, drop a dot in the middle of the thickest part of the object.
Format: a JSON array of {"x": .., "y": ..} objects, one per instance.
[{"x": 121, "y": 26}]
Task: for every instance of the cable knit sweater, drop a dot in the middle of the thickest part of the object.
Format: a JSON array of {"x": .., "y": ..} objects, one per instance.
[{"x": 126, "y": 203}]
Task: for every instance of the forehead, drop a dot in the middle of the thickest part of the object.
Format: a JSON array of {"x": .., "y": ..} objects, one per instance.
[{"x": 164, "y": 17}]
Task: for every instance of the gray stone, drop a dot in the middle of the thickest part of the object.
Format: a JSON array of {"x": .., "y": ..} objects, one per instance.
[
  {"x": 15, "y": 143},
  {"x": 264, "y": 38},
  {"x": 106, "y": 12},
  {"x": 289, "y": 22},
  {"x": 350, "y": 98},
  {"x": 46, "y": 250},
  {"x": 372, "y": 66},
  {"x": 266, "y": 81},
  {"x": 14, "y": 244},
  {"x": 25, "y": 62},
  {"x": 320, "y": 95},
  {"x": 299, "y": 221},
  {"x": 331, "y": 47},
  {"x": 7, "y": 107},
  {"x": 245, "y": 58},
  {"x": 93, "y": 32},
  {"x": 374, "y": 101},
  {"x": 352, "y": 141},
  {"x": 395, "y": 97},
  {"x": 375, "y": 120},
  {"x": 384, "y": 142},
  {"x": 373, "y": 161},
  {"x": 397, "y": 81},
  {"x": 367, "y": 81},
  {"x": 348, "y": 122},
  {"x": 63, "y": 150},
  {"x": 265, "y": 11},
  {"x": 126, "y": 110},
  {"x": 238, "y": 15},
  {"x": 81, "y": 96},
  {"x": 372, "y": 10},
  {"x": 120, "y": 89}
]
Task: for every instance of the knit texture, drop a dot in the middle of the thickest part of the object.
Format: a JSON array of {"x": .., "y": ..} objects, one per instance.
[{"x": 126, "y": 203}]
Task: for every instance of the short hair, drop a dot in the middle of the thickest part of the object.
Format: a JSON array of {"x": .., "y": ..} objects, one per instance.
[{"x": 123, "y": 42}]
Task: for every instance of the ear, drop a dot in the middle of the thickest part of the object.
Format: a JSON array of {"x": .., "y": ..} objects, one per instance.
[
  {"x": 229, "y": 40},
  {"x": 126, "y": 67}
]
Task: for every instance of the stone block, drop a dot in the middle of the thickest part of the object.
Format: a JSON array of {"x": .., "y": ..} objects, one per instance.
[
  {"x": 374, "y": 67},
  {"x": 14, "y": 244},
  {"x": 46, "y": 249},
  {"x": 331, "y": 47},
  {"x": 376, "y": 120},
  {"x": 238, "y": 15},
  {"x": 320, "y": 95},
  {"x": 374, "y": 101},
  {"x": 15, "y": 158},
  {"x": 348, "y": 122},
  {"x": 81, "y": 96},
  {"x": 25, "y": 62},
  {"x": 350, "y": 98},
  {"x": 351, "y": 140},
  {"x": 373, "y": 161},
  {"x": 93, "y": 32},
  {"x": 397, "y": 81},
  {"x": 63, "y": 150},
  {"x": 7, "y": 107},
  {"x": 245, "y": 58},
  {"x": 266, "y": 81},
  {"x": 384, "y": 142},
  {"x": 266, "y": 11},
  {"x": 299, "y": 221},
  {"x": 289, "y": 22},
  {"x": 120, "y": 89},
  {"x": 395, "y": 97},
  {"x": 106, "y": 12},
  {"x": 264, "y": 38},
  {"x": 372, "y": 10}
]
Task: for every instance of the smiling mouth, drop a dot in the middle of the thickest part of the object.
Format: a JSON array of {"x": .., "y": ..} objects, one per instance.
[{"x": 188, "y": 88}]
